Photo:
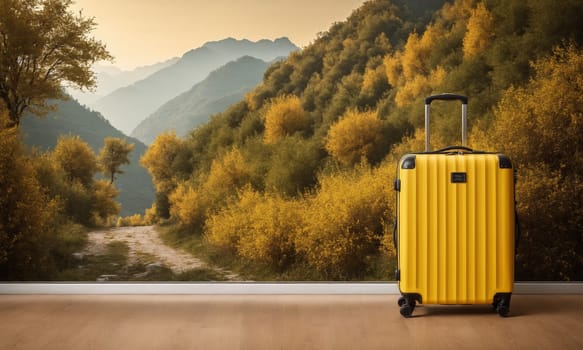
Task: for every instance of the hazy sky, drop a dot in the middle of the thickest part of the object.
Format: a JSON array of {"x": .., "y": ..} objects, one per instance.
[{"x": 141, "y": 32}]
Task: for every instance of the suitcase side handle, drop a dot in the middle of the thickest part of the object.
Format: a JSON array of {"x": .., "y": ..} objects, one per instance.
[{"x": 447, "y": 97}]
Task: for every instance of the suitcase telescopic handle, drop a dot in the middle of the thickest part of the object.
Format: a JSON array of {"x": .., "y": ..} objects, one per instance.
[{"x": 447, "y": 97}]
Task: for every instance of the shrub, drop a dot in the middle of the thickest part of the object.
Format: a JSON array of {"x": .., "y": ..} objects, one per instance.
[
  {"x": 78, "y": 203},
  {"x": 133, "y": 220},
  {"x": 284, "y": 117},
  {"x": 150, "y": 217},
  {"x": 540, "y": 126},
  {"x": 104, "y": 204},
  {"x": 185, "y": 206},
  {"x": 293, "y": 166},
  {"x": 224, "y": 228},
  {"x": 227, "y": 175},
  {"x": 345, "y": 221},
  {"x": 356, "y": 136},
  {"x": 257, "y": 227},
  {"x": 27, "y": 215},
  {"x": 274, "y": 222}
]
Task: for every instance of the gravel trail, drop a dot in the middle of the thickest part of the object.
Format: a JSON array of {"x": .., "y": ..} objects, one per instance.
[{"x": 145, "y": 239}]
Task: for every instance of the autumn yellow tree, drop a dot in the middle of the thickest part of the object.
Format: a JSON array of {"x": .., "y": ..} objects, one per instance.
[
  {"x": 77, "y": 159},
  {"x": 421, "y": 67},
  {"x": 167, "y": 159},
  {"x": 285, "y": 116},
  {"x": 540, "y": 126},
  {"x": 113, "y": 155},
  {"x": 189, "y": 205},
  {"x": 86, "y": 200},
  {"x": 186, "y": 207},
  {"x": 165, "y": 156},
  {"x": 104, "y": 204},
  {"x": 480, "y": 31},
  {"x": 231, "y": 171},
  {"x": 43, "y": 44},
  {"x": 344, "y": 222},
  {"x": 27, "y": 215},
  {"x": 411, "y": 71},
  {"x": 374, "y": 80},
  {"x": 355, "y": 136},
  {"x": 227, "y": 175},
  {"x": 543, "y": 121},
  {"x": 258, "y": 227}
]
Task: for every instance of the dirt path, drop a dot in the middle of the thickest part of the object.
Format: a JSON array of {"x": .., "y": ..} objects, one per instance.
[{"x": 146, "y": 240}]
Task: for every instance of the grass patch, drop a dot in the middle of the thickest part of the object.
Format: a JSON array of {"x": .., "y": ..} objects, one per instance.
[
  {"x": 118, "y": 251},
  {"x": 141, "y": 272},
  {"x": 70, "y": 238},
  {"x": 145, "y": 258},
  {"x": 92, "y": 267}
]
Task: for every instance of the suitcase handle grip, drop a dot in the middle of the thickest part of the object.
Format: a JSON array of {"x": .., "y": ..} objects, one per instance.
[
  {"x": 453, "y": 148},
  {"x": 447, "y": 97}
]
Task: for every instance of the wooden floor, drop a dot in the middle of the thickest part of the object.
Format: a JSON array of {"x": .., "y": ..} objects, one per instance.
[{"x": 282, "y": 322}]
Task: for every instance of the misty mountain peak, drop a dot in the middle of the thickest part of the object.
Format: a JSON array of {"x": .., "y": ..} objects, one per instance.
[
  {"x": 128, "y": 106},
  {"x": 284, "y": 40},
  {"x": 230, "y": 43}
]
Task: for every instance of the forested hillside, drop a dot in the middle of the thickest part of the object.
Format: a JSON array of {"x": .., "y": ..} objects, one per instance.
[{"x": 299, "y": 172}]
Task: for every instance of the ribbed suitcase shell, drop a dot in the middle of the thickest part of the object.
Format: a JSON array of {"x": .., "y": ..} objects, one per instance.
[{"x": 456, "y": 239}]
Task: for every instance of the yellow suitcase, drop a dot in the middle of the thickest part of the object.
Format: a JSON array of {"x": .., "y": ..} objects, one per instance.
[{"x": 456, "y": 226}]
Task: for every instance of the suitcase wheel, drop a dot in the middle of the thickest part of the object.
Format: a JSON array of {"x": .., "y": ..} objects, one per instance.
[
  {"x": 407, "y": 306},
  {"x": 407, "y": 309},
  {"x": 501, "y": 304},
  {"x": 503, "y": 310}
]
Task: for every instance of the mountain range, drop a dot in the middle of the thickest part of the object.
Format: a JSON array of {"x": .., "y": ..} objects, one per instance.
[
  {"x": 214, "y": 94},
  {"x": 126, "y": 107},
  {"x": 111, "y": 78}
]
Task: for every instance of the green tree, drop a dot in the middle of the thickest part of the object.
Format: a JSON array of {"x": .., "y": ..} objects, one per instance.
[
  {"x": 293, "y": 166},
  {"x": 113, "y": 155},
  {"x": 43, "y": 45},
  {"x": 77, "y": 159}
]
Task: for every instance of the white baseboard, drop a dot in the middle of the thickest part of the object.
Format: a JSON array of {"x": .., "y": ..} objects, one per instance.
[{"x": 228, "y": 288}]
